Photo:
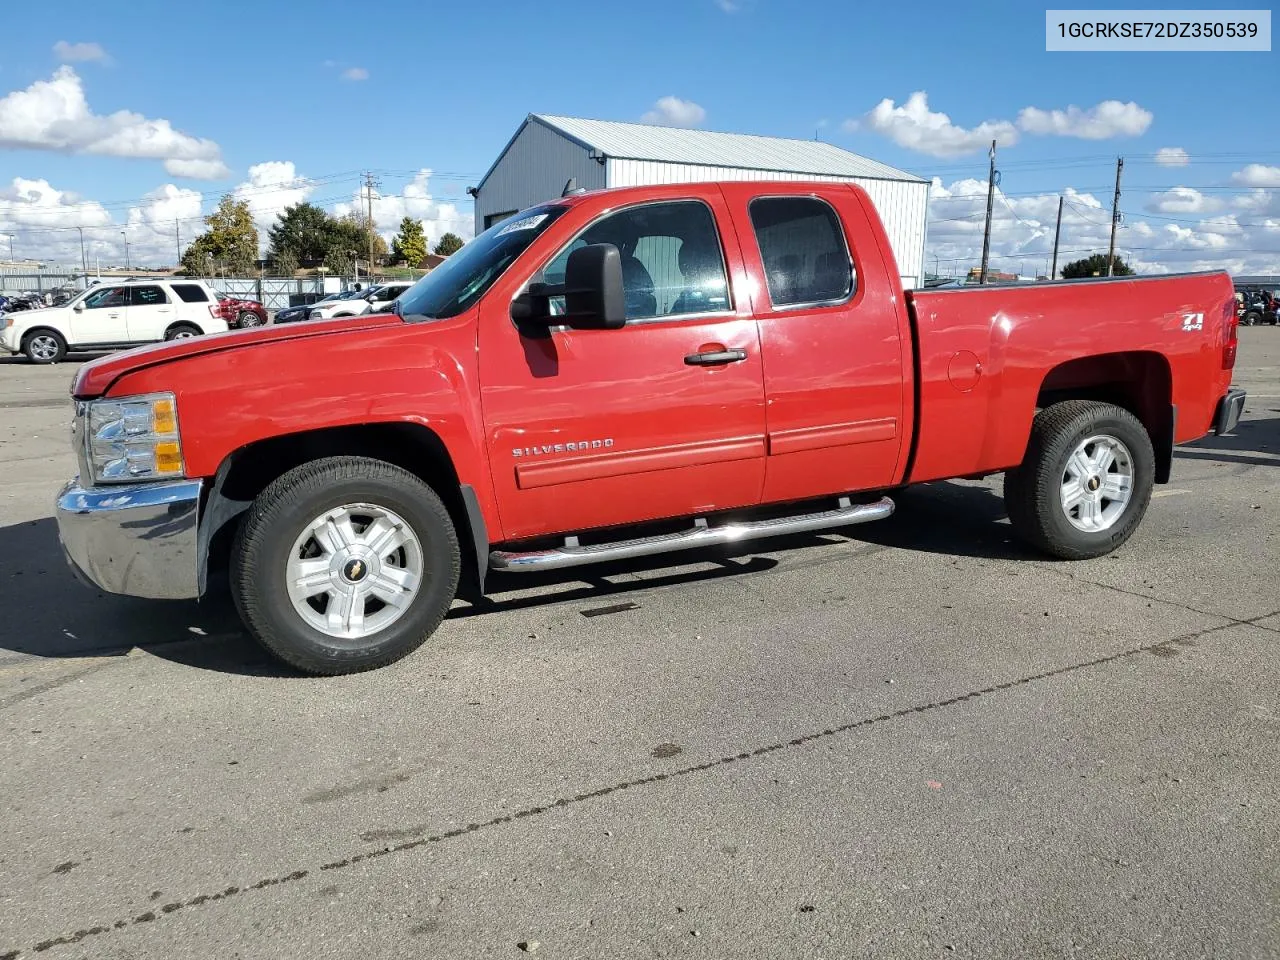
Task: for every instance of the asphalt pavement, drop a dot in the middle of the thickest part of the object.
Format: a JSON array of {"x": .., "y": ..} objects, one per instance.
[{"x": 915, "y": 740}]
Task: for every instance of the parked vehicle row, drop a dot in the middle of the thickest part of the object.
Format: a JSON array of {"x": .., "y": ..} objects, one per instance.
[
  {"x": 113, "y": 316},
  {"x": 620, "y": 374},
  {"x": 352, "y": 303}
]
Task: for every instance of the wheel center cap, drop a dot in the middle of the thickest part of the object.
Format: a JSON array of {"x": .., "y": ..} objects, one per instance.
[
  {"x": 1094, "y": 483},
  {"x": 353, "y": 571}
]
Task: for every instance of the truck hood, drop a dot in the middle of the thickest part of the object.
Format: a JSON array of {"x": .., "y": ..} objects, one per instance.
[{"x": 95, "y": 378}]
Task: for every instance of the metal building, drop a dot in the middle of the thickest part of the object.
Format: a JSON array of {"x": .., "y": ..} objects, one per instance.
[{"x": 547, "y": 151}]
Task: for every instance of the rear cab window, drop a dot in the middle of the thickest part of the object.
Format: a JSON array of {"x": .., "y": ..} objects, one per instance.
[{"x": 804, "y": 251}]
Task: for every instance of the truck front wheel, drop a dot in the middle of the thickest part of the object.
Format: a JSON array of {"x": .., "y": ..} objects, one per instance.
[
  {"x": 345, "y": 564},
  {"x": 1085, "y": 482}
]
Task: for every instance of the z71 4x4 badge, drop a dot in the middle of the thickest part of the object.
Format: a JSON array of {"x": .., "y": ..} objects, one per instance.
[{"x": 577, "y": 447}]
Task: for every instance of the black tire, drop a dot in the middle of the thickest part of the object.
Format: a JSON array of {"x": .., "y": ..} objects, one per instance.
[
  {"x": 1033, "y": 491},
  {"x": 181, "y": 331},
  {"x": 282, "y": 511},
  {"x": 249, "y": 319},
  {"x": 36, "y": 346},
  {"x": 1252, "y": 318}
]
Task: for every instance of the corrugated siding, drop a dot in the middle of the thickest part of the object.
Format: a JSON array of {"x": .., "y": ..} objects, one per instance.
[
  {"x": 639, "y": 141},
  {"x": 533, "y": 170},
  {"x": 902, "y": 205}
]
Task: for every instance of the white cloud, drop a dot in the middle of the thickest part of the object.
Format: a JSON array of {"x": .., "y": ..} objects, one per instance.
[
  {"x": 914, "y": 126},
  {"x": 674, "y": 112},
  {"x": 415, "y": 200},
  {"x": 54, "y": 115},
  {"x": 1108, "y": 119},
  {"x": 1236, "y": 239},
  {"x": 80, "y": 52},
  {"x": 1257, "y": 175},
  {"x": 729, "y": 6},
  {"x": 272, "y": 186},
  {"x": 1259, "y": 203},
  {"x": 355, "y": 73},
  {"x": 198, "y": 169},
  {"x": 1183, "y": 200},
  {"x": 1172, "y": 157}
]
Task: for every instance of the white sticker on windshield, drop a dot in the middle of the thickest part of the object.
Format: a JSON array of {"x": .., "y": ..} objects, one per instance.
[{"x": 528, "y": 223}]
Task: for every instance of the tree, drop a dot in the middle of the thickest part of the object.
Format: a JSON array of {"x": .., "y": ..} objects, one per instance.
[
  {"x": 285, "y": 263},
  {"x": 1095, "y": 265},
  {"x": 352, "y": 232},
  {"x": 410, "y": 244},
  {"x": 303, "y": 230},
  {"x": 449, "y": 244},
  {"x": 339, "y": 261},
  {"x": 231, "y": 241}
]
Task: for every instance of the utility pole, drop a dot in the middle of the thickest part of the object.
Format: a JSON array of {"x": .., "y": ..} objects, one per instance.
[
  {"x": 991, "y": 196},
  {"x": 1115, "y": 217},
  {"x": 84, "y": 261},
  {"x": 1057, "y": 232},
  {"x": 177, "y": 236},
  {"x": 369, "y": 184},
  {"x": 127, "y": 265}
]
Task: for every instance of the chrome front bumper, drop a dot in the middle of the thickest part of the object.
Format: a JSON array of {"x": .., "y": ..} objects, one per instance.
[{"x": 134, "y": 539}]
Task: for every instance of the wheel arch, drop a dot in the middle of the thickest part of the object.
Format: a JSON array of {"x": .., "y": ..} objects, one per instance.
[
  {"x": 183, "y": 325},
  {"x": 1140, "y": 381},
  {"x": 32, "y": 331},
  {"x": 248, "y": 470}
]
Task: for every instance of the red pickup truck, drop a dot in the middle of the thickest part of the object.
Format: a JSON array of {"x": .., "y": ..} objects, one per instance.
[{"x": 622, "y": 373}]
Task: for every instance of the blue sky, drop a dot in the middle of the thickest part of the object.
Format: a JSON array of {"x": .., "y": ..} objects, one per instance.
[{"x": 440, "y": 87}]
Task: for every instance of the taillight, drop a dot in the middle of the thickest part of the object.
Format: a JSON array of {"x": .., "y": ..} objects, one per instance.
[
  {"x": 1230, "y": 337},
  {"x": 215, "y": 311}
]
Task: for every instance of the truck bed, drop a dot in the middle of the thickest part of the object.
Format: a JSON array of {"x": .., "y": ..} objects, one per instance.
[{"x": 987, "y": 357}]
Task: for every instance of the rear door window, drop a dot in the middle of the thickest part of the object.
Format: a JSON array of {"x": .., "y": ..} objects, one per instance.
[
  {"x": 146, "y": 296},
  {"x": 804, "y": 250}
]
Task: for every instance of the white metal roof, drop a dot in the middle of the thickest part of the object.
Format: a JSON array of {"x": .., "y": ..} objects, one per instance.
[{"x": 638, "y": 141}]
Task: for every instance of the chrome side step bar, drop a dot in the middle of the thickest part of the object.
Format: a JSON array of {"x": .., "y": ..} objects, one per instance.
[{"x": 573, "y": 554}]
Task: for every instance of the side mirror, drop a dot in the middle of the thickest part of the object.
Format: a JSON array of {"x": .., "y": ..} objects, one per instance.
[
  {"x": 593, "y": 294},
  {"x": 592, "y": 291},
  {"x": 79, "y": 307}
]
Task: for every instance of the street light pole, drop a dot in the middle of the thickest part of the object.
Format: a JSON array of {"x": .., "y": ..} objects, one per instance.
[
  {"x": 127, "y": 264},
  {"x": 84, "y": 261}
]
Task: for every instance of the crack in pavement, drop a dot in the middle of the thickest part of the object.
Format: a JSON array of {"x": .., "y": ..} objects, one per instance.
[
  {"x": 1162, "y": 648},
  {"x": 1049, "y": 568}
]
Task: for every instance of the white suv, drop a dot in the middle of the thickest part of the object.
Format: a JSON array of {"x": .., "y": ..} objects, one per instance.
[
  {"x": 113, "y": 316},
  {"x": 374, "y": 300}
]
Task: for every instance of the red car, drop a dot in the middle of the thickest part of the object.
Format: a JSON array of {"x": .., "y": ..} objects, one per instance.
[
  {"x": 619, "y": 374},
  {"x": 241, "y": 314}
]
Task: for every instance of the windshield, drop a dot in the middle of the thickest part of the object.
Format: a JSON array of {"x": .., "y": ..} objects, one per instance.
[{"x": 464, "y": 277}]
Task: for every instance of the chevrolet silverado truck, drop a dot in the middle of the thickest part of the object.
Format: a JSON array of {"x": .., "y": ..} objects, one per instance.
[{"x": 617, "y": 374}]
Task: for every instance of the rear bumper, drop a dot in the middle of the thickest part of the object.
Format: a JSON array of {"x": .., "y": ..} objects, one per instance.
[
  {"x": 133, "y": 539},
  {"x": 1228, "y": 413}
]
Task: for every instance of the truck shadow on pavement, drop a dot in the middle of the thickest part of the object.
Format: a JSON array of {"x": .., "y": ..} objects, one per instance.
[
  {"x": 51, "y": 614},
  {"x": 1252, "y": 437}
]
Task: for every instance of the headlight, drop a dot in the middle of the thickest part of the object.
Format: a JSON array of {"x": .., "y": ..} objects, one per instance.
[{"x": 133, "y": 438}]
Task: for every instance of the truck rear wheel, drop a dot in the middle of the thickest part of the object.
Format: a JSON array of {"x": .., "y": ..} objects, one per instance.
[
  {"x": 1085, "y": 482},
  {"x": 345, "y": 564}
]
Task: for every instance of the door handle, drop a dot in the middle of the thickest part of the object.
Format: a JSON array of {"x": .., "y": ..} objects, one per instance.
[{"x": 715, "y": 358}]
